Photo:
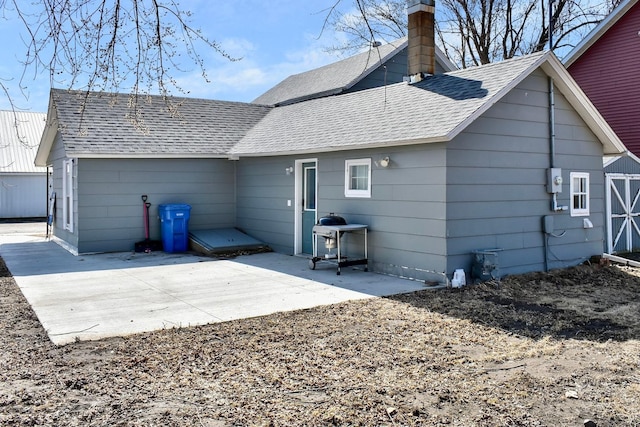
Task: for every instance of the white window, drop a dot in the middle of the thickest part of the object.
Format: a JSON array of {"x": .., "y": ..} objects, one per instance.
[
  {"x": 579, "y": 193},
  {"x": 67, "y": 194},
  {"x": 357, "y": 178}
]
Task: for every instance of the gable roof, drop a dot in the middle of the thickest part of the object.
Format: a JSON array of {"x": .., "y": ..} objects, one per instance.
[
  {"x": 598, "y": 31},
  {"x": 337, "y": 77},
  {"x": 434, "y": 110},
  {"x": 20, "y": 133},
  {"x": 162, "y": 128}
]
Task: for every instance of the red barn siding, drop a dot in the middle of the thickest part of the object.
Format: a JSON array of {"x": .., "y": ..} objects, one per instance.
[{"x": 609, "y": 73}]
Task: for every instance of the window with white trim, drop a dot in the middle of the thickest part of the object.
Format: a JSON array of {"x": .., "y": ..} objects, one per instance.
[
  {"x": 357, "y": 178},
  {"x": 67, "y": 194},
  {"x": 579, "y": 188}
]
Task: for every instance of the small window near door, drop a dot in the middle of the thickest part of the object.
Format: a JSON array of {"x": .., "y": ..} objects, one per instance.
[
  {"x": 579, "y": 188},
  {"x": 309, "y": 188},
  {"x": 357, "y": 178},
  {"x": 67, "y": 194}
]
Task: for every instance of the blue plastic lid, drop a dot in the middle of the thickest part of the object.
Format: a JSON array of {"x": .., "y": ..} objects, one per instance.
[{"x": 174, "y": 207}]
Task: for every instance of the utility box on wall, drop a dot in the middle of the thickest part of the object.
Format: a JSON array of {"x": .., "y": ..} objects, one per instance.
[{"x": 554, "y": 180}]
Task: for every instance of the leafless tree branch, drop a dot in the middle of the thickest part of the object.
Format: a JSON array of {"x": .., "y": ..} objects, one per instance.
[
  {"x": 108, "y": 45},
  {"x": 473, "y": 32}
]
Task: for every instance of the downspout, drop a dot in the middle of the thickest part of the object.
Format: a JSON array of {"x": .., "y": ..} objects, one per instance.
[
  {"x": 552, "y": 139},
  {"x": 552, "y": 125}
]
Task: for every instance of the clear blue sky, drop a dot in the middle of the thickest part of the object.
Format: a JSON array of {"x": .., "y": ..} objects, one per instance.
[{"x": 274, "y": 38}]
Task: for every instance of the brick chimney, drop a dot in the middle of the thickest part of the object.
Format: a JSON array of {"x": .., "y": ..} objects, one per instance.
[{"x": 422, "y": 42}]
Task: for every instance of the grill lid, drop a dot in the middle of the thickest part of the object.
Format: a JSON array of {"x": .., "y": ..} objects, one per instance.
[{"x": 331, "y": 219}]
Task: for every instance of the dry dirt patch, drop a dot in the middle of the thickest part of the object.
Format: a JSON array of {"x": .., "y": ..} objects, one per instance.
[{"x": 539, "y": 349}]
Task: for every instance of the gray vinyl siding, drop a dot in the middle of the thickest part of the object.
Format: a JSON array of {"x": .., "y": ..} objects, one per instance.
[
  {"x": 56, "y": 158},
  {"x": 406, "y": 211},
  {"x": 263, "y": 189},
  {"x": 394, "y": 71},
  {"x": 405, "y": 214},
  {"x": 496, "y": 184},
  {"x": 110, "y": 204},
  {"x": 578, "y": 150}
]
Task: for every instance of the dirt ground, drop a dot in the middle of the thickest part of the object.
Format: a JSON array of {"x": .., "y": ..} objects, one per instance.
[{"x": 544, "y": 349}]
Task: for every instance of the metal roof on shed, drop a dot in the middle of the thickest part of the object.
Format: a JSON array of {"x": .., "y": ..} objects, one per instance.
[{"x": 20, "y": 134}]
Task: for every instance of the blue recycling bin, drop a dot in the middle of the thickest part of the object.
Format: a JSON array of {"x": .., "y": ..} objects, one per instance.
[{"x": 174, "y": 226}]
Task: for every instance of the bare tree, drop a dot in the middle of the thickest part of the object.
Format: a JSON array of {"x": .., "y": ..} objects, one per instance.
[
  {"x": 473, "y": 32},
  {"x": 107, "y": 45},
  {"x": 568, "y": 19},
  {"x": 384, "y": 20}
]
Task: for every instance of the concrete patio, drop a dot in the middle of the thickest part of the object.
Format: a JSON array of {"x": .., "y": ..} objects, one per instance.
[{"x": 90, "y": 297}]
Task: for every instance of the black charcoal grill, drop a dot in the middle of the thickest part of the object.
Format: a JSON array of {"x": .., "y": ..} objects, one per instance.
[
  {"x": 332, "y": 228},
  {"x": 326, "y": 228}
]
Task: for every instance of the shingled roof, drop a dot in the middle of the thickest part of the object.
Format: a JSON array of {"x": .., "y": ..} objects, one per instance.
[
  {"x": 108, "y": 125},
  {"x": 331, "y": 79},
  {"x": 434, "y": 110},
  {"x": 337, "y": 77}
]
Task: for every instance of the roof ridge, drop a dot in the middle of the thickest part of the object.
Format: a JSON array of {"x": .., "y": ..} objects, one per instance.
[
  {"x": 332, "y": 78},
  {"x": 395, "y": 43},
  {"x": 123, "y": 94},
  {"x": 518, "y": 58}
]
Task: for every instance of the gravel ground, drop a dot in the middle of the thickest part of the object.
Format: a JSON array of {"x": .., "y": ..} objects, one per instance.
[{"x": 542, "y": 349}]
